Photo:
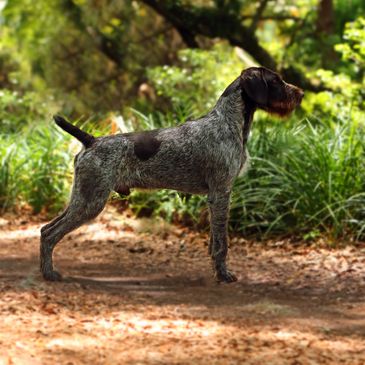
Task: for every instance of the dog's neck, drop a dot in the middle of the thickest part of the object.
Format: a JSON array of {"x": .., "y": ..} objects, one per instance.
[
  {"x": 235, "y": 107},
  {"x": 248, "y": 113}
]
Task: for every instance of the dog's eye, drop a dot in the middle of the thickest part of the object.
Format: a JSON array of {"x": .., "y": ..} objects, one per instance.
[{"x": 277, "y": 80}]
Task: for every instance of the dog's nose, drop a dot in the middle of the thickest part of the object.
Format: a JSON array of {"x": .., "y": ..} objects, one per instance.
[{"x": 301, "y": 94}]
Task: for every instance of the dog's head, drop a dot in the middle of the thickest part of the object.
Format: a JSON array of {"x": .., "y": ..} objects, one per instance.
[{"x": 268, "y": 91}]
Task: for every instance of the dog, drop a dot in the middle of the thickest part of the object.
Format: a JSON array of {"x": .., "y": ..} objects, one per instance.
[{"x": 202, "y": 156}]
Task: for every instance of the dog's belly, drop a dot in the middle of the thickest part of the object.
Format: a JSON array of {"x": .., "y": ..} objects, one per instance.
[
  {"x": 187, "y": 183},
  {"x": 191, "y": 189},
  {"x": 185, "y": 177}
]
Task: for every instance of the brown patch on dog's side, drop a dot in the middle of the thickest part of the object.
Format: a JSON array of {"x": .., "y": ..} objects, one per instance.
[{"x": 146, "y": 145}]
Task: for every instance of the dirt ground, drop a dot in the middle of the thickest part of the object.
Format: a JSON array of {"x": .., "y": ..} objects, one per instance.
[{"x": 141, "y": 292}]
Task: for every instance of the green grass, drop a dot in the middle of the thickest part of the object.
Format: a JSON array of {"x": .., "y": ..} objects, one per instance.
[
  {"x": 10, "y": 167},
  {"x": 35, "y": 168},
  {"x": 303, "y": 179},
  {"x": 47, "y": 172}
]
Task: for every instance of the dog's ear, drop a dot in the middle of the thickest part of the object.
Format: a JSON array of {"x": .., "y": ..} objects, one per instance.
[{"x": 254, "y": 84}]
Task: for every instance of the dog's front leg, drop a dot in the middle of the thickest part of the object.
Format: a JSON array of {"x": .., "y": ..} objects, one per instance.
[{"x": 218, "y": 208}]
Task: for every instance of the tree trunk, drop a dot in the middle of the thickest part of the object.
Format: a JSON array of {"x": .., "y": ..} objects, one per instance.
[{"x": 325, "y": 29}]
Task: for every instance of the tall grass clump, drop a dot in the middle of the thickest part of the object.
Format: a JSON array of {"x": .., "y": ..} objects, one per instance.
[
  {"x": 10, "y": 168},
  {"x": 308, "y": 178},
  {"x": 35, "y": 168},
  {"x": 46, "y": 170}
]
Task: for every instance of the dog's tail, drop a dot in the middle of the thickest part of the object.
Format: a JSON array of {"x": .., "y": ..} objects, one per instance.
[{"x": 86, "y": 138}]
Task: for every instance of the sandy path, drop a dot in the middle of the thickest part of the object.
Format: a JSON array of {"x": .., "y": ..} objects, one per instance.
[{"x": 139, "y": 292}]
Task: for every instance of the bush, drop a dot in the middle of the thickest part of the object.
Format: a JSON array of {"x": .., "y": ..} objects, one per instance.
[
  {"x": 35, "y": 168},
  {"x": 46, "y": 170},
  {"x": 199, "y": 79},
  {"x": 303, "y": 179},
  {"x": 345, "y": 97},
  {"x": 10, "y": 172},
  {"x": 19, "y": 109}
]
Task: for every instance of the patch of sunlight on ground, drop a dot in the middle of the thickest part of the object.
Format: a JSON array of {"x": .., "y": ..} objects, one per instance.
[
  {"x": 97, "y": 231},
  {"x": 20, "y": 233}
]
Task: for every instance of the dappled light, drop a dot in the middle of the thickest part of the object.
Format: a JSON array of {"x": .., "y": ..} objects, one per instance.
[
  {"x": 182, "y": 182},
  {"x": 134, "y": 297}
]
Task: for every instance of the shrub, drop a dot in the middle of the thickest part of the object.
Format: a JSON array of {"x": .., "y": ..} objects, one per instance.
[
  {"x": 10, "y": 172},
  {"x": 35, "y": 168},
  {"x": 302, "y": 179},
  {"x": 46, "y": 170},
  {"x": 19, "y": 109},
  {"x": 201, "y": 76}
]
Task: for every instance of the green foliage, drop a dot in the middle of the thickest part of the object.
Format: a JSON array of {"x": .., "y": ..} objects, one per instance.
[
  {"x": 82, "y": 57},
  {"x": 35, "y": 169},
  {"x": 302, "y": 179},
  {"x": 10, "y": 172},
  {"x": 18, "y": 110},
  {"x": 353, "y": 50},
  {"x": 171, "y": 205},
  {"x": 346, "y": 11},
  {"x": 345, "y": 98},
  {"x": 155, "y": 120},
  {"x": 199, "y": 79},
  {"x": 88, "y": 54},
  {"x": 307, "y": 178},
  {"x": 46, "y": 178}
]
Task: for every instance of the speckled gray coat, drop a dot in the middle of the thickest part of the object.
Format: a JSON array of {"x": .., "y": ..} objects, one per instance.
[{"x": 202, "y": 156}]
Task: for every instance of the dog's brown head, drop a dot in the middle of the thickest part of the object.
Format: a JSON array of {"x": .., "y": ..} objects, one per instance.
[{"x": 268, "y": 91}]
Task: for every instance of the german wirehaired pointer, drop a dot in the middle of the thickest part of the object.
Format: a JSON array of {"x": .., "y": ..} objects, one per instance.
[{"x": 202, "y": 156}]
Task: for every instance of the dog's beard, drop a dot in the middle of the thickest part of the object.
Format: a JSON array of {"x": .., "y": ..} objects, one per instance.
[{"x": 283, "y": 109}]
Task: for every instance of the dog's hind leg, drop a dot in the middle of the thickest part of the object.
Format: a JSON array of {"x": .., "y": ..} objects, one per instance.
[
  {"x": 87, "y": 201},
  {"x": 54, "y": 221}
]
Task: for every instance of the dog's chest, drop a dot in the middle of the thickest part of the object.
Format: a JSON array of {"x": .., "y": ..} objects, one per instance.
[
  {"x": 245, "y": 162},
  {"x": 228, "y": 158}
]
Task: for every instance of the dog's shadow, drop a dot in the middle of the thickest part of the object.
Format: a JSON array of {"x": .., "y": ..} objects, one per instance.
[{"x": 147, "y": 283}]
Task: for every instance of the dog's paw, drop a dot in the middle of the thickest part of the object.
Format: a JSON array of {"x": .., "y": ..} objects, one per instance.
[
  {"x": 52, "y": 276},
  {"x": 225, "y": 277}
]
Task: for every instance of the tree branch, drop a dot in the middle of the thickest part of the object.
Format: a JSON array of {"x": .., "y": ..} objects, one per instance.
[
  {"x": 187, "y": 36},
  {"x": 220, "y": 23},
  {"x": 258, "y": 14},
  {"x": 212, "y": 23},
  {"x": 272, "y": 17},
  {"x": 108, "y": 46}
]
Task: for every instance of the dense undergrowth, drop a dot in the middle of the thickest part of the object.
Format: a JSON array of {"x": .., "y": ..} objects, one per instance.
[
  {"x": 306, "y": 174},
  {"x": 304, "y": 177},
  {"x": 35, "y": 169}
]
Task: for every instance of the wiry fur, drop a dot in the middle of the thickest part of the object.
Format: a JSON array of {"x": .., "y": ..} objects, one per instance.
[{"x": 202, "y": 156}]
